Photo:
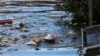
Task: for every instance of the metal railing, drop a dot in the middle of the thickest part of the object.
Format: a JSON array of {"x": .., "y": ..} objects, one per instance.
[{"x": 91, "y": 35}]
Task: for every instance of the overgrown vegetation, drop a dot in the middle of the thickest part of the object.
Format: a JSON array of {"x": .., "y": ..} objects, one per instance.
[{"x": 79, "y": 9}]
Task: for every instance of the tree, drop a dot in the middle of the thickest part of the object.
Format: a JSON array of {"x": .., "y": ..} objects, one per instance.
[{"x": 79, "y": 9}]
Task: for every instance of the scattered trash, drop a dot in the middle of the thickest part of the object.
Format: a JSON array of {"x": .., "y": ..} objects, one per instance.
[
  {"x": 18, "y": 25},
  {"x": 24, "y": 26},
  {"x": 34, "y": 41},
  {"x": 49, "y": 38},
  {"x": 4, "y": 22},
  {"x": 21, "y": 25},
  {"x": 24, "y": 30}
]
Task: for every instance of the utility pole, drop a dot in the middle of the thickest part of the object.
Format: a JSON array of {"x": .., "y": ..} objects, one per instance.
[{"x": 90, "y": 3}]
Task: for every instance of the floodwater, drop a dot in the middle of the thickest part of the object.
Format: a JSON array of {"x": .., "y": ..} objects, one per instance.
[{"x": 41, "y": 18}]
